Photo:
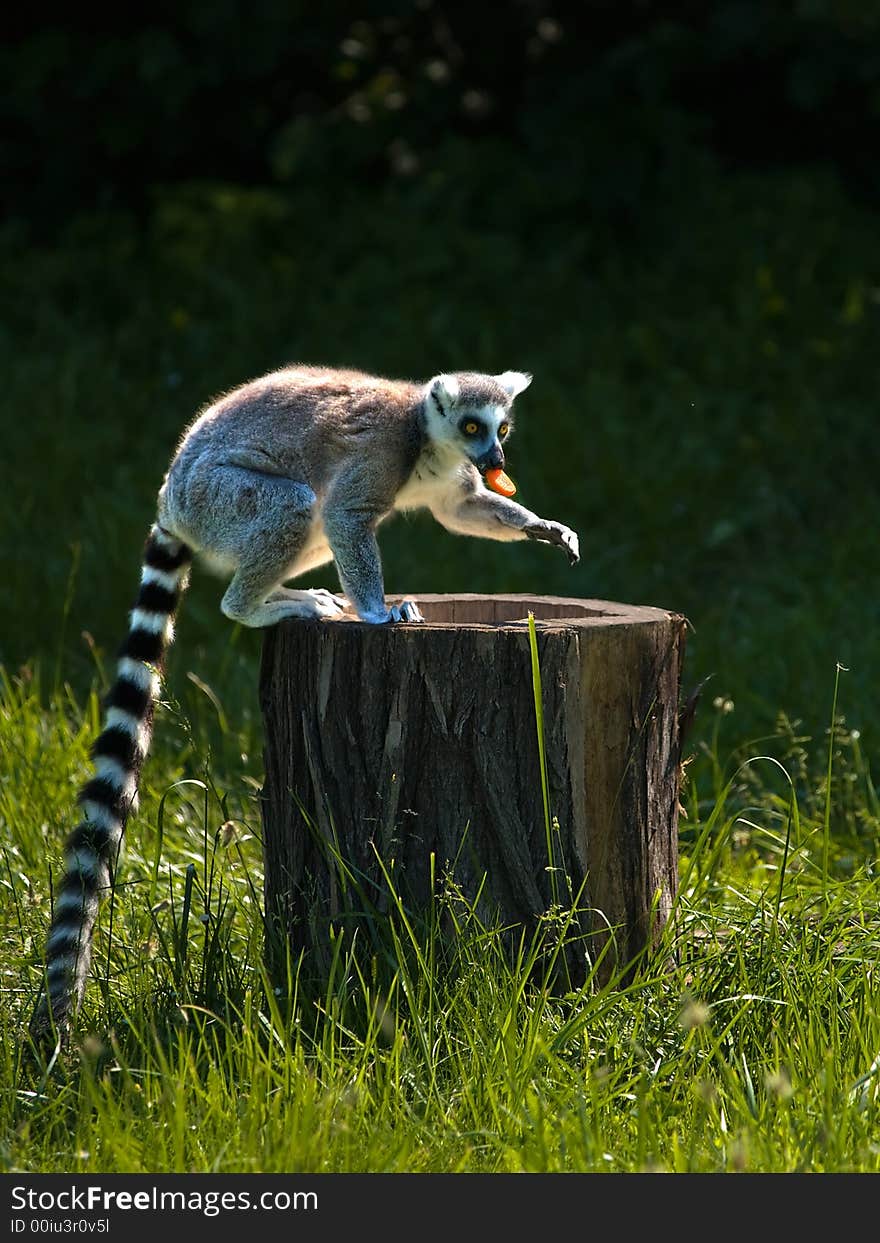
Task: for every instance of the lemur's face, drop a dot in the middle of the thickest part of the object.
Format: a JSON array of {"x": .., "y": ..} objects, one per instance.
[
  {"x": 482, "y": 431},
  {"x": 472, "y": 414}
]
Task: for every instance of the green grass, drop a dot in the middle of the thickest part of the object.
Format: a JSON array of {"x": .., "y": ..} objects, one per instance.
[
  {"x": 756, "y": 1051},
  {"x": 704, "y": 414}
]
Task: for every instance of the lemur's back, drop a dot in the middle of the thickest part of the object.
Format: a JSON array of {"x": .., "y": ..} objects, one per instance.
[{"x": 305, "y": 420}]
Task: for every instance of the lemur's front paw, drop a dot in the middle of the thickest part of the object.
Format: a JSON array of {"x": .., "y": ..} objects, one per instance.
[
  {"x": 571, "y": 544},
  {"x": 556, "y": 533},
  {"x": 406, "y": 611}
]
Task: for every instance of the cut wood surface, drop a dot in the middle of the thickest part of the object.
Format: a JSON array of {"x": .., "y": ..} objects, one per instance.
[{"x": 418, "y": 745}]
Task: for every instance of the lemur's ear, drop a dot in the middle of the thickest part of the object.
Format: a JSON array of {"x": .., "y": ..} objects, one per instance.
[
  {"x": 444, "y": 389},
  {"x": 514, "y": 382}
]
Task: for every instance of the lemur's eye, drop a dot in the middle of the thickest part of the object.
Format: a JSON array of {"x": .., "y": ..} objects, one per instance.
[
  {"x": 471, "y": 428},
  {"x": 503, "y": 430}
]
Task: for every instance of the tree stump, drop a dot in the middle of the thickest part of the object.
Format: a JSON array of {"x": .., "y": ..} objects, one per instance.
[{"x": 418, "y": 745}]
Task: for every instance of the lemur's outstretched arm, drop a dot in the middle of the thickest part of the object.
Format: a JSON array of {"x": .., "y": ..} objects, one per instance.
[{"x": 471, "y": 509}]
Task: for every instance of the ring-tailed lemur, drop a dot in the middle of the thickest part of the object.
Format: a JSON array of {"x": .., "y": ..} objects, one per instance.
[{"x": 279, "y": 476}]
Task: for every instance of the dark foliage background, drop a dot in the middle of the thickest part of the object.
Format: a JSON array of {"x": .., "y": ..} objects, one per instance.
[
  {"x": 667, "y": 212},
  {"x": 106, "y": 104}
]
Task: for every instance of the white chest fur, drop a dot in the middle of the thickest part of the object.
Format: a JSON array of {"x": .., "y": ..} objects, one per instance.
[{"x": 434, "y": 476}]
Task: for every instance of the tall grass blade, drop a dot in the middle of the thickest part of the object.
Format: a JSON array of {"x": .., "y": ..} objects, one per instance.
[{"x": 542, "y": 759}]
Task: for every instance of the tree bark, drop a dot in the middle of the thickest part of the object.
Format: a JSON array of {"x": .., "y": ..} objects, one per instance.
[{"x": 419, "y": 745}]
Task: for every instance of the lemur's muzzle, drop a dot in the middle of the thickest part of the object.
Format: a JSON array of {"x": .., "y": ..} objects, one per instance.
[{"x": 493, "y": 460}]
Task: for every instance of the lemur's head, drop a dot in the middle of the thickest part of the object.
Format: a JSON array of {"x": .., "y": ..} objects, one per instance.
[{"x": 472, "y": 413}]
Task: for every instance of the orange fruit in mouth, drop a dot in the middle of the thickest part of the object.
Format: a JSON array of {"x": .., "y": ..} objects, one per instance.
[{"x": 499, "y": 482}]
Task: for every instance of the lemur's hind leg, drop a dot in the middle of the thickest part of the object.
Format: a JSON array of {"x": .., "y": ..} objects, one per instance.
[
  {"x": 243, "y": 603},
  {"x": 256, "y": 597},
  {"x": 263, "y": 527}
]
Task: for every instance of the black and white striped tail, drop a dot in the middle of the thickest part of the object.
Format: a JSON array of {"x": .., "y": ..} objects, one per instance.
[{"x": 110, "y": 796}]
